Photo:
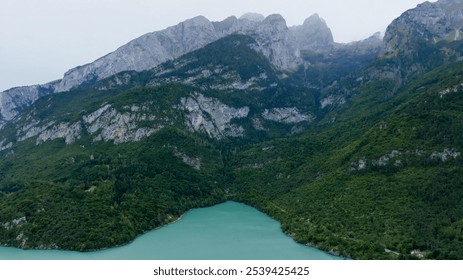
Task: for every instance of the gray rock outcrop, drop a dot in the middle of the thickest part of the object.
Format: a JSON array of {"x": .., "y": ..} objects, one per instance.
[
  {"x": 313, "y": 34},
  {"x": 286, "y": 115},
  {"x": 105, "y": 124},
  {"x": 14, "y": 100},
  {"x": 210, "y": 116}
]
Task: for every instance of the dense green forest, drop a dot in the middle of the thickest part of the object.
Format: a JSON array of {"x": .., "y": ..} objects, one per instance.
[{"x": 391, "y": 182}]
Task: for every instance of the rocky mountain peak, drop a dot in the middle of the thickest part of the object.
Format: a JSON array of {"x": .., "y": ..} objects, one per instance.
[
  {"x": 376, "y": 36},
  {"x": 198, "y": 20},
  {"x": 274, "y": 39},
  {"x": 223, "y": 28},
  {"x": 314, "y": 20},
  {"x": 276, "y": 21},
  {"x": 313, "y": 34},
  {"x": 252, "y": 17},
  {"x": 427, "y": 23}
]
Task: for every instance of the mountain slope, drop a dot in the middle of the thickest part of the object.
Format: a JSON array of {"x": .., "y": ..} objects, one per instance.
[
  {"x": 356, "y": 151},
  {"x": 274, "y": 39},
  {"x": 366, "y": 187},
  {"x": 427, "y": 23},
  {"x": 90, "y": 160}
]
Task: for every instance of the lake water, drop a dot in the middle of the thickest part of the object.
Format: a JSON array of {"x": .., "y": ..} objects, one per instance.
[{"x": 226, "y": 231}]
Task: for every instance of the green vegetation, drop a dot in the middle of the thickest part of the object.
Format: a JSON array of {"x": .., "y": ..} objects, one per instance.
[
  {"x": 103, "y": 195},
  {"x": 409, "y": 202},
  {"x": 379, "y": 178}
]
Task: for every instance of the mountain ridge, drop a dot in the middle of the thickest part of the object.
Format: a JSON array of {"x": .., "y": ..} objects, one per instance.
[{"x": 154, "y": 48}]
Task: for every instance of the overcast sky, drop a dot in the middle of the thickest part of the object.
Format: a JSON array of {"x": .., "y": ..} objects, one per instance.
[{"x": 42, "y": 39}]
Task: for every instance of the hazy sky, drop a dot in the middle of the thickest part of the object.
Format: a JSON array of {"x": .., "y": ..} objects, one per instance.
[{"x": 42, "y": 39}]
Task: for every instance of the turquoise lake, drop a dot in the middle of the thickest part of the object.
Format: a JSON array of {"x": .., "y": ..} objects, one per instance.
[{"x": 228, "y": 231}]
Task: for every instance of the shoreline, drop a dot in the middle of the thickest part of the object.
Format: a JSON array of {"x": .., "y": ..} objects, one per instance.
[
  {"x": 175, "y": 220},
  {"x": 112, "y": 247}
]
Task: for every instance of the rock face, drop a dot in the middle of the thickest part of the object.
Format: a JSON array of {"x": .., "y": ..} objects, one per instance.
[
  {"x": 286, "y": 115},
  {"x": 202, "y": 114},
  {"x": 445, "y": 155},
  {"x": 274, "y": 39},
  {"x": 277, "y": 43},
  {"x": 210, "y": 116},
  {"x": 104, "y": 124},
  {"x": 155, "y": 48},
  {"x": 313, "y": 34},
  {"x": 144, "y": 52},
  {"x": 69, "y": 132},
  {"x": 110, "y": 125},
  {"x": 14, "y": 100},
  {"x": 427, "y": 23}
]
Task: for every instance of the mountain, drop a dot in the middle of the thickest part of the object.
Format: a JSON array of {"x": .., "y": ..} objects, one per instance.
[
  {"x": 379, "y": 180},
  {"x": 355, "y": 148},
  {"x": 427, "y": 23},
  {"x": 420, "y": 40},
  {"x": 313, "y": 34},
  {"x": 84, "y": 146},
  {"x": 274, "y": 39}
]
